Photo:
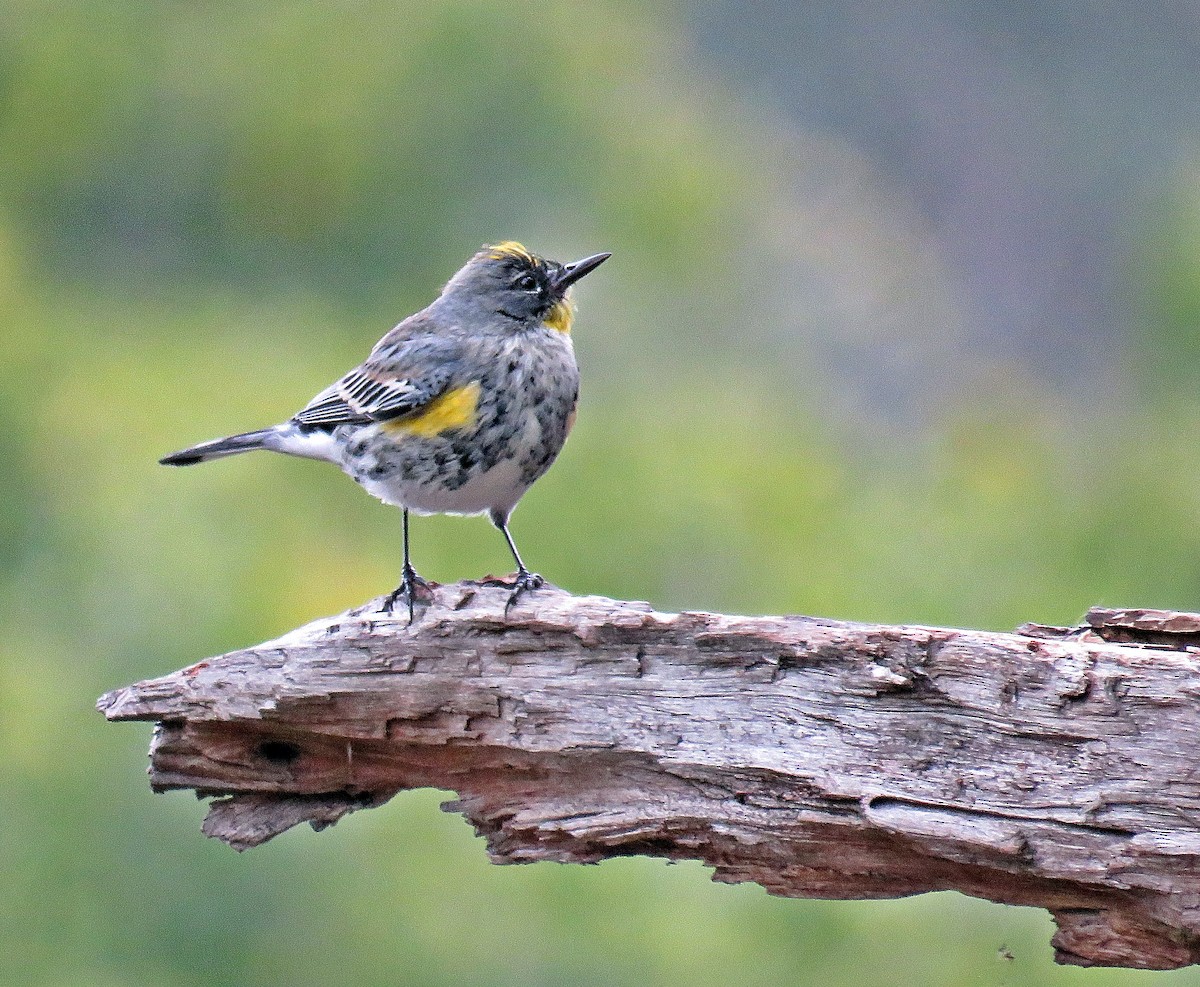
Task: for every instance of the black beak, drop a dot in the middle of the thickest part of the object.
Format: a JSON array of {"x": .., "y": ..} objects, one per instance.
[{"x": 573, "y": 272}]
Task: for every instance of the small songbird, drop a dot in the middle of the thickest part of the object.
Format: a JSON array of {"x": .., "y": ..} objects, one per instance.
[{"x": 458, "y": 410}]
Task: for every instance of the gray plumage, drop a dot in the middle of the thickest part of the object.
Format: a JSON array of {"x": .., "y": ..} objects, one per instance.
[{"x": 458, "y": 409}]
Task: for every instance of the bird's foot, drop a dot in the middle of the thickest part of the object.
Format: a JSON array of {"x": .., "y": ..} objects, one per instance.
[
  {"x": 410, "y": 585},
  {"x": 523, "y": 582}
]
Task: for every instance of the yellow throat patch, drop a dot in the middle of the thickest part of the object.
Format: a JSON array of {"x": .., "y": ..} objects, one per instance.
[
  {"x": 562, "y": 316},
  {"x": 454, "y": 409}
]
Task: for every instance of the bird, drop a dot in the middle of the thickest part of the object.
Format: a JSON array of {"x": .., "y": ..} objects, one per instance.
[{"x": 457, "y": 410}]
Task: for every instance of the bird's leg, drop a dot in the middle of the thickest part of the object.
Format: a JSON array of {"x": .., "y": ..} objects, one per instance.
[
  {"x": 525, "y": 580},
  {"x": 410, "y": 582}
]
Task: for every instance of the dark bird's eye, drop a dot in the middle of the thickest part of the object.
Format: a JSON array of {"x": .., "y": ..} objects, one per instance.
[{"x": 526, "y": 282}]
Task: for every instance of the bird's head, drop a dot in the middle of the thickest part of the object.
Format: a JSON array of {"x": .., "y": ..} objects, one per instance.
[{"x": 509, "y": 281}]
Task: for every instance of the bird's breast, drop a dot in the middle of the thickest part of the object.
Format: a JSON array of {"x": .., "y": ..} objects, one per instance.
[{"x": 481, "y": 444}]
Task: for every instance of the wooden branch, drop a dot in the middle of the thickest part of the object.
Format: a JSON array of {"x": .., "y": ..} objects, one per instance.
[{"x": 1050, "y": 767}]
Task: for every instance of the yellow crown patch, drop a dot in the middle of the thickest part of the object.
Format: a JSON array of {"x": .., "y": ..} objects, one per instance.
[{"x": 510, "y": 248}]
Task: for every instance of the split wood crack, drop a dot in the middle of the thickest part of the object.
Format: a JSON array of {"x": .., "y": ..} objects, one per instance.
[{"x": 1055, "y": 767}]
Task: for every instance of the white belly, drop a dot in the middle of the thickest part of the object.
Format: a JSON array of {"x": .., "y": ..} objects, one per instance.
[{"x": 497, "y": 490}]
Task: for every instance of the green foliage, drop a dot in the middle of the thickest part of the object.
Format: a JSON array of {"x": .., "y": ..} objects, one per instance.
[{"x": 212, "y": 209}]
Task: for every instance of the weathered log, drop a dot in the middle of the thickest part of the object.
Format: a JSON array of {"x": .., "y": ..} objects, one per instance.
[{"x": 1050, "y": 767}]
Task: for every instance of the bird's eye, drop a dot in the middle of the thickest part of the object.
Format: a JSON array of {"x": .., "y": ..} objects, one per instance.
[{"x": 526, "y": 282}]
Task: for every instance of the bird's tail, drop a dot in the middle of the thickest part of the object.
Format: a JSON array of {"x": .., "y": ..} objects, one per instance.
[{"x": 218, "y": 448}]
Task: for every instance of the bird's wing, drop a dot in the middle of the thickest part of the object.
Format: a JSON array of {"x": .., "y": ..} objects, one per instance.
[{"x": 400, "y": 377}]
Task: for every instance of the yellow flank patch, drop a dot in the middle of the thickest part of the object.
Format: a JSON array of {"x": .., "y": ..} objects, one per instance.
[
  {"x": 454, "y": 409},
  {"x": 562, "y": 316},
  {"x": 510, "y": 248}
]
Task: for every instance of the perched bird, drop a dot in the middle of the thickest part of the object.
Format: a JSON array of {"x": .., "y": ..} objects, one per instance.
[{"x": 458, "y": 410}]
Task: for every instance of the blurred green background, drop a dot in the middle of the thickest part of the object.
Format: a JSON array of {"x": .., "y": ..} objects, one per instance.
[{"x": 900, "y": 327}]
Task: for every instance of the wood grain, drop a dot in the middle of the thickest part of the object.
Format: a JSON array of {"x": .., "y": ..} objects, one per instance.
[{"x": 1054, "y": 767}]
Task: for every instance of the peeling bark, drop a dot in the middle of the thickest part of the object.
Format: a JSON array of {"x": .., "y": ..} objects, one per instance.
[{"x": 1052, "y": 767}]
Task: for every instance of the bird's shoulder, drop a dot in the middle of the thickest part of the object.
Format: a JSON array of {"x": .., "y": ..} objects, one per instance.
[
  {"x": 409, "y": 367},
  {"x": 420, "y": 331}
]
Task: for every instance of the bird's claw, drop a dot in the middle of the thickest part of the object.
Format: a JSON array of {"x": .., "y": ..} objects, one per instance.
[
  {"x": 523, "y": 582},
  {"x": 410, "y": 585}
]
